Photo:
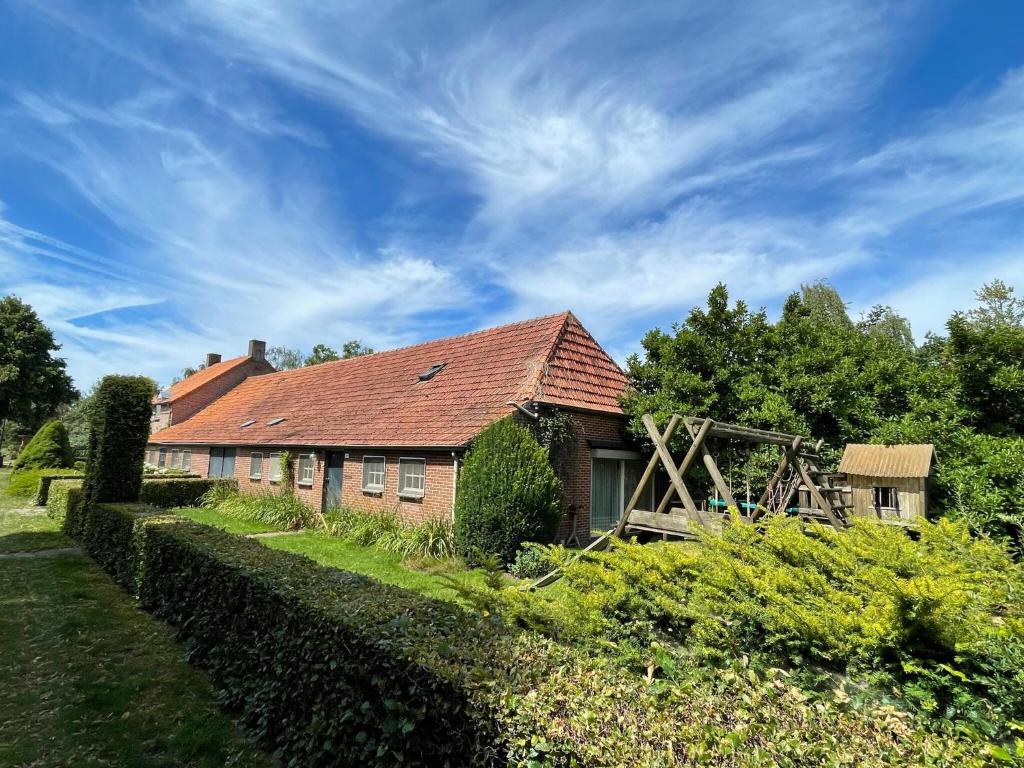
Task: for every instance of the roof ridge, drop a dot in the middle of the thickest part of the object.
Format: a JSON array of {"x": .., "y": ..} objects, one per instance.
[
  {"x": 538, "y": 376},
  {"x": 228, "y": 366}
]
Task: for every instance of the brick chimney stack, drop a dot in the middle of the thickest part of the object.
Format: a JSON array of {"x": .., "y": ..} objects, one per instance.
[
  {"x": 212, "y": 358},
  {"x": 257, "y": 349}
]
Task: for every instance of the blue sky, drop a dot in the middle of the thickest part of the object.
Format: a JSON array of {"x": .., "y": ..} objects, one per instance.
[{"x": 179, "y": 177}]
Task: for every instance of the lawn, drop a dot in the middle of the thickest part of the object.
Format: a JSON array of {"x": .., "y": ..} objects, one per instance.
[
  {"x": 430, "y": 580},
  {"x": 88, "y": 679},
  {"x": 24, "y": 528},
  {"x": 218, "y": 519}
]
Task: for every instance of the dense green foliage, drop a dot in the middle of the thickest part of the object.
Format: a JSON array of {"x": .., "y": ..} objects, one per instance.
[
  {"x": 937, "y": 621},
  {"x": 119, "y": 431},
  {"x": 816, "y": 372},
  {"x": 64, "y": 503},
  {"x": 508, "y": 493},
  {"x": 283, "y": 510},
  {"x": 170, "y": 492},
  {"x": 34, "y": 484},
  {"x": 48, "y": 449},
  {"x": 531, "y": 562},
  {"x": 433, "y": 538},
  {"x": 32, "y": 381}
]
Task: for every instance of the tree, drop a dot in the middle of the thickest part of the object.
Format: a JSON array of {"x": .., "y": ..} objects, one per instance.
[
  {"x": 284, "y": 359},
  {"x": 76, "y": 418},
  {"x": 187, "y": 371},
  {"x": 48, "y": 449},
  {"x": 999, "y": 307},
  {"x": 32, "y": 381},
  {"x": 354, "y": 348},
  {"x": 884, "y": 321},
  {"x": 321, "y": 354},
  {"x": 508, "y": 494}
]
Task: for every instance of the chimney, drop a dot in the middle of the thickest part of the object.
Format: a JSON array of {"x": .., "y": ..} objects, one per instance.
[
  {"x": 257, "y": 349},
  {"x": 212, "y": 358}
]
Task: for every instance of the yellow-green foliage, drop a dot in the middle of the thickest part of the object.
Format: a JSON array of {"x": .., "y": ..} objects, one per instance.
[{"x": 939, "y": 617}]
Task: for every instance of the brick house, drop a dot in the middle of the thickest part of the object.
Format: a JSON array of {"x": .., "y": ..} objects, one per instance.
[
  {"x": 180, "y": 401},
  {"x": 388, "y": 431}
]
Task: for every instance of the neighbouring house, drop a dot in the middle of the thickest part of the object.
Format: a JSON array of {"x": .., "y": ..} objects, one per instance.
[
  {"x": 181, "y": 401},
  {"x": 890, "y": 482},
  {"x": 388, "y": 431}
]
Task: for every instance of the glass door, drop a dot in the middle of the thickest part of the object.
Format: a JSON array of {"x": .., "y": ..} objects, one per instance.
[{"x": 605, "y": 492}]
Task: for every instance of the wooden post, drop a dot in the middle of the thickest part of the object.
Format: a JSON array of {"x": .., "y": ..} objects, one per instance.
[
  {"x": 652, "y": 465},
  {"x": 684, "y": 467},
  {"x": 670, "y": 467},
  {"x": 823, "y": 505},
  {"x": 776, "y": 478}
]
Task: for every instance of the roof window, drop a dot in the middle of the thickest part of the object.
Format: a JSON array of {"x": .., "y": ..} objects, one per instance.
[
  {"x": 278, "y": 420},
  {"x": 248, "y": 423},
  {"x": 431, "y": 372}
]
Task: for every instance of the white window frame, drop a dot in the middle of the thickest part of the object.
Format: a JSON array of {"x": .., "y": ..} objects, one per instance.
[
  {"x": 186, "y": 459},
  {"x": 383, "y": 475},
  {"x": 303, "y": 458},
  {"x": 175, "y": 462},
  {"x": 258, "y": 474},
  {"x": 161, "y": 457},
  {"x": 412, "y": 493},
  {"x": 895, "y": 494},
  {"x": 274, "y": 473}
]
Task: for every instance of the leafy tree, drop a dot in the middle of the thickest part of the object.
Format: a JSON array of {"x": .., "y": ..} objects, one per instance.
[
  {"x": 284, "y": 359},
  {"x": 48, "y": 449},
  {"x": 355, "y": 348},
  {"x": 187, "y": 371},
  {"x": 884, "y": 321},
  {"x": 32, "y": 381},
  {"x": 321, "y": 354},
  {"x": 999, "y": 307},
  {"x": 508, "y": 494},
  {"x": 824, "y": 301},
  {"x": 76, "y": 418}
]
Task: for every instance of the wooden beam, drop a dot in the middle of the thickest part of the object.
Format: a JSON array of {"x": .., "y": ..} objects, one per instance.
[
  {"x": 670, "y": 467},
  {"x": 776, "y": 477},
  {"x": 819, "y": 500},
  {"x": 721, "y": 429},
  {"x": 684, "y": 466},
  {"x": 662, "y": 522},
  {"x": 712, "y": 467},
  {"x": 652, "y": 465}
]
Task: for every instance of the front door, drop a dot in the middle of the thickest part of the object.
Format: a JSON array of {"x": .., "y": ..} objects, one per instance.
[{"x": 332, "y": 480}]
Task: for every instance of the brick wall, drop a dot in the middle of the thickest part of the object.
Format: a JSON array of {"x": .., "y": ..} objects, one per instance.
[
  {"x": 190, "y": 404},
  {"x": 438, "y": 490}
]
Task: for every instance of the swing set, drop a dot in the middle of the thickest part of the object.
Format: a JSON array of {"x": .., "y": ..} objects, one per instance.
[{"x": 798, "y": 472}]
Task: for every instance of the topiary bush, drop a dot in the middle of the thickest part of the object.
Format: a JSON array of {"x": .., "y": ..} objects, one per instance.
[
  {"x": 118, "y": 433},
  {"x": 34, "y": 483},
  {"x": 64, "y": 503},
  {"x": 48, "y": 449},
  {"x": 508, "y": 494},
  {"x": 170, "y": 492}
]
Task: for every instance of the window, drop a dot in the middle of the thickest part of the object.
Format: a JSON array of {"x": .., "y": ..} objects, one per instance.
[
  {"x": 222, "y": 462},
  {"x": 186, "y": 459},
  {"x": 412, "y": 474},
  {"x": 373, "y": 474},
  {"x": 431, "y": 372},
  {"x": 307, "y": 467},
  {"x": 247, "y": 423},
  {"x": 175, "y": 458},
  {"x": 256, "y": 465},
  {"x": 275, "y": 422},
  {"x": 275, "y": 467},
  {"x": 886, "y": 498},
  {"x": 162, "y": 458}
]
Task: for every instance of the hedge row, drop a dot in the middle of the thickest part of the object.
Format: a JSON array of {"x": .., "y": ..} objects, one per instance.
[
  {"x": 170, "y": 492},
  {"x": 43, "y": 485},
  {"x": 63, "y": 503},
  {"x": 332, "y": 668}
]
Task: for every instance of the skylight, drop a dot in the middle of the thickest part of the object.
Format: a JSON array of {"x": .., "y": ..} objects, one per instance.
[
  {"x": 278, "y": 420},
  {"x": 248, "y": 423},
  {"x": 431, "y": 372}
]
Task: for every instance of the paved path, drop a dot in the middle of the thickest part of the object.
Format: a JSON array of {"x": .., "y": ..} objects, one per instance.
[{"x": 41, "y": 553}]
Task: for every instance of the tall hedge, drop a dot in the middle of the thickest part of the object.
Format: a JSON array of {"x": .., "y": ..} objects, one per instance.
[
  {"x": 48, "y": 449},
  {"x": 508, "y": 494},
  {"x": 118, "y": 433}
]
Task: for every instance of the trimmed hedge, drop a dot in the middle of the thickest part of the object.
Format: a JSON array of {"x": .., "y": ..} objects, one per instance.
[
  {"x": 508, "y": 494},
  {"x": 48, "y": 449},
  {"x": 28, "y": 483},
  {"x": 332, "y": 668},
  {"x": 64, "y": 502},
  {"x": 45, "y": 480},
  {"x": 118, "y": 433},
  {"x": 170, "y": 492}
]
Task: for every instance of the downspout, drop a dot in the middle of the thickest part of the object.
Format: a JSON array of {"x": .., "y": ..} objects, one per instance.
[
  {"x": 523, "y": 410},
  {"x": 455, "y": 480}
]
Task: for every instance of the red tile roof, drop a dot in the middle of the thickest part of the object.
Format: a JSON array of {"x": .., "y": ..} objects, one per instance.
[
  {"x": 378, "y": 400},
  {"x": 199, "y": 378}
]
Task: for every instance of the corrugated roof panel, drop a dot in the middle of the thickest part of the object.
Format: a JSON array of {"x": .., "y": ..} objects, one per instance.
[{"x": 888, "y": 460}]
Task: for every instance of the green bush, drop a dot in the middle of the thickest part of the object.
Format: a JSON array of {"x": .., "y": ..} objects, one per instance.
[
  {"x": 64, "y": 503},
  {"x": 433, "y": 538},
  {"x": 508, "y": 494},
  {"x": 118, "y": 433},
  {"x": 333, "y": 668},
  {"x": 48, "y": 449},
  {"x": 34, "y": 483},
  {"x": 939, "y": 619},
  {"x": 282, "y": 510},
  {"x": 531, "y": 562},
  {"x": 173, "y": 492}
]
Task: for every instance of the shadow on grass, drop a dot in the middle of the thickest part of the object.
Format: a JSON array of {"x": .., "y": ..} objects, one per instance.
[{"x": 33, "y": 541}]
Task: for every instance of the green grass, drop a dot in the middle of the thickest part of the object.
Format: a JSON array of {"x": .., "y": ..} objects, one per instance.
[
  {"x": 218, "y": 519},
  {"x": 383, "y": 566},
  {"x": 24, "y": 528}
]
